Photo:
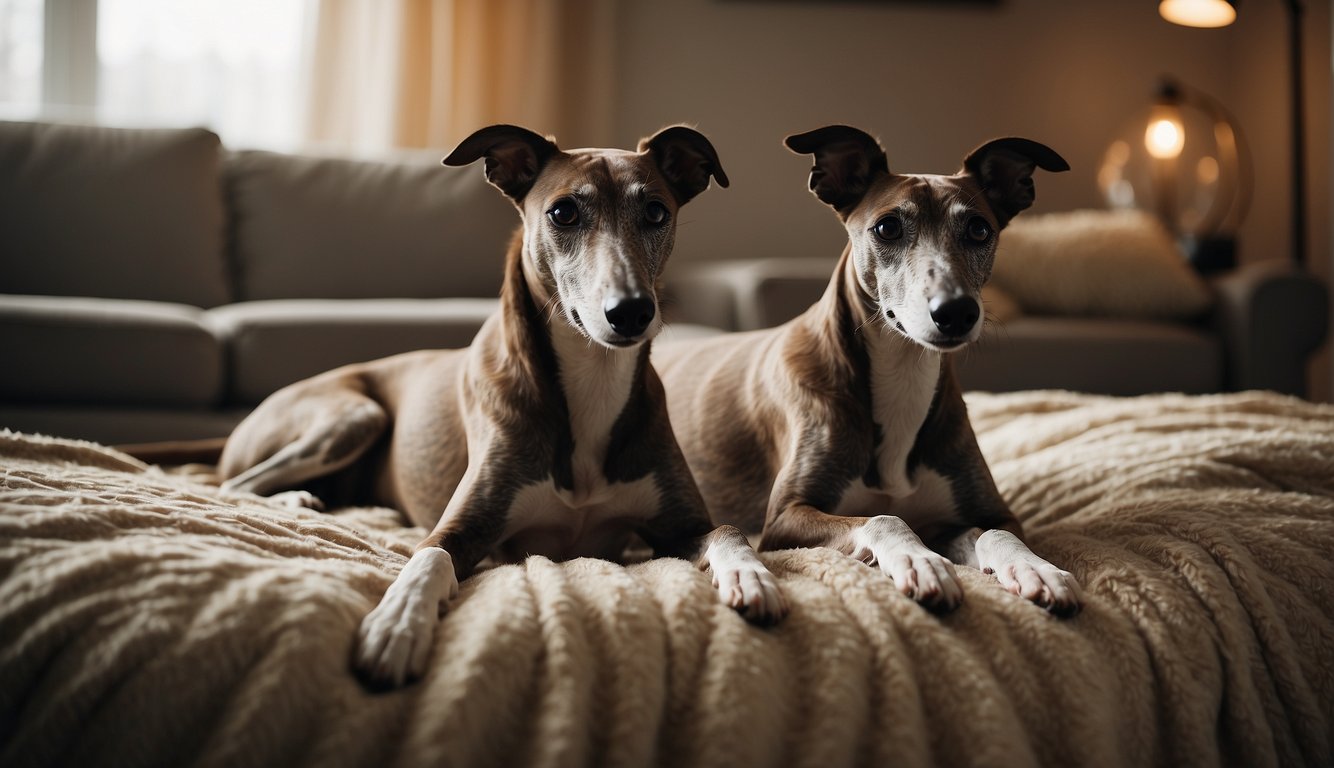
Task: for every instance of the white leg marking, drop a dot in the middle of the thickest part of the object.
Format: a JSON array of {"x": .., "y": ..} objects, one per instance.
[
  {"x": 744, "y": 583},
  {"x": 918, "y": 572},
  {"x": 298, "y": 500},
  {"x": 1025, "y": 574},
  {"x": 394, "y": 641}
]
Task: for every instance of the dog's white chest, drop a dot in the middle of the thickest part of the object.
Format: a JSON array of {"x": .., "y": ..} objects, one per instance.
[
  {"x": 594, "y": 517},
  {"x": 903, "y": 382},
  {"x": 930, "y": 505},
  {"x": 543, "y": 521},
  {"x": 596, "y": 383}
]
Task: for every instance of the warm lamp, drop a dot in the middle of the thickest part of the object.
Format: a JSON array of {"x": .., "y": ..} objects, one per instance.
[
  {"x": 1187, "y": 165},
  {"x": 1198, "y": 13}
]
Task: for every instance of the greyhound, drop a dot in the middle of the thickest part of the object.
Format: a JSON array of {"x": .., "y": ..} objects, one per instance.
[
  {"x": 846, "y": 428},
  {"x": 549, "y": 435}
]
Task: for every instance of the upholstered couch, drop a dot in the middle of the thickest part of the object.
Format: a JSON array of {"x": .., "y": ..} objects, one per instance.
[
  {"x": 154, "y": 286},
  {"x": 157, "y": 286}
]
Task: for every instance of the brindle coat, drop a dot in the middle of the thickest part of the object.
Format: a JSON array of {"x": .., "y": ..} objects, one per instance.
[
  {"x": 846, "y": 427},
  {"x": 549, "y": 435}
]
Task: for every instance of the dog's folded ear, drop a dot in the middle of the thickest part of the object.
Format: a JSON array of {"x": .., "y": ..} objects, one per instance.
[
  {"x": 1004, "y": 169},
  {"x": 686, "y": 159},
  {"x": 847, "y": 162},
  {"x": 514, "y": 156}
]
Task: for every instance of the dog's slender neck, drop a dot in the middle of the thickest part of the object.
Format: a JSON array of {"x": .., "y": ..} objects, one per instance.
[
  {"x": 547, "y": 358},
  {"x": 858, "y": 352},
  {"x": 848, "y": 323}
]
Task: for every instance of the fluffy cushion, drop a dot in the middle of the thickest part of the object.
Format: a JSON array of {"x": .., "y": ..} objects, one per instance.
[{"x": 1098, "y": 263}]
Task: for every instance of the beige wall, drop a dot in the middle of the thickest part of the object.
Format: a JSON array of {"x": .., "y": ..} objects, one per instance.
[{"x": 934, "y": 80}]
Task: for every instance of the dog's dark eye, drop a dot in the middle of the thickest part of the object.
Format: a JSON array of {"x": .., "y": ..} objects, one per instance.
[
  {"x": 564, "y": 213},
  {"x": 656, "y": 213},
  {"x": 889, "y": 228},
  {"x": 979, "y": 231}
]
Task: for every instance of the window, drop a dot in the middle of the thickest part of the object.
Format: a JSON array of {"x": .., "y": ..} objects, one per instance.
[
  {"x": 232, "y": 65},
  {"x": 20, "y": 58},
  {"x": 235, "y": 66}
]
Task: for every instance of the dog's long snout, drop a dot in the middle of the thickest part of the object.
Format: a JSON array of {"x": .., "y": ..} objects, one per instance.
[
  {"x": 629, "y": 316},
  {"x": 956, "y": 316}
]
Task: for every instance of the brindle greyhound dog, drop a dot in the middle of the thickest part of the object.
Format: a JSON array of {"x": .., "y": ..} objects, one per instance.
[
  {"x": 845, "y": 427},
  {"x": 549, "y": 435}
]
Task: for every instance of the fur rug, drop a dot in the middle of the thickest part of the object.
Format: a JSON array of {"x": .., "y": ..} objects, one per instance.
[{"x": 149, "y": 619}]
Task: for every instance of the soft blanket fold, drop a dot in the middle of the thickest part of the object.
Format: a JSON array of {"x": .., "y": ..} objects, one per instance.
[{"x": 150, "y": 619}]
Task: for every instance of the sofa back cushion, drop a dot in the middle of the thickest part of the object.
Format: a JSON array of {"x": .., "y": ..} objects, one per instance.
[
  {"x": 112, "y": 213},
  {"x": 324, "y": 228}
]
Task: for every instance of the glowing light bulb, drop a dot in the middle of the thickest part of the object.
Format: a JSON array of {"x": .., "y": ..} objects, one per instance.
[{"x": 1164, "y": 138}]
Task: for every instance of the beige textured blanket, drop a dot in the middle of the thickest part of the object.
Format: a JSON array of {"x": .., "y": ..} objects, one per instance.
[{"x": 146, "y": 620}]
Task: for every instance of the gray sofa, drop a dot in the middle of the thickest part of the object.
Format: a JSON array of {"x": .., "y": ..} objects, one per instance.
[{"x": 155, "y": 286}]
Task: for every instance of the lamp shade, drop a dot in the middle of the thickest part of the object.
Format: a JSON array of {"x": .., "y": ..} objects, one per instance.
[{"x": 1198, "y": 13}]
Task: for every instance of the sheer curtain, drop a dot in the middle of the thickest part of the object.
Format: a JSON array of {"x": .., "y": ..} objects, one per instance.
[
  {"x": 359, "y": 76},
  {"x": 426, "y": 73},
  {"x": 236, "y": 66}
]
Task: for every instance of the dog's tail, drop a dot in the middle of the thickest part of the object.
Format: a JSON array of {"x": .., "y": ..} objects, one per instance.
[{"x": 174, "y": 452}]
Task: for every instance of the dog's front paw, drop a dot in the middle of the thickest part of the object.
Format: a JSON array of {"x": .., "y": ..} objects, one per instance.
[
  {"x": 924, "y": 576},
  {"x": 918, "y": 572},
  {"x": 1043, "y": 584},
  {"x": 394, "y": 640},
  {"x": 750, "y": 589},
  {"x": 298, "y": 500},
  {"x": 1023, "y": 573}
]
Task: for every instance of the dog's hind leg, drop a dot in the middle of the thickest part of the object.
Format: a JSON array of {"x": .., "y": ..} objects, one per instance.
[{"x": 338, "y": 430}]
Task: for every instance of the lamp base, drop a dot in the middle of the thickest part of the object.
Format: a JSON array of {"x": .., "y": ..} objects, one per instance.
[{"x": 1210, "y": 255}]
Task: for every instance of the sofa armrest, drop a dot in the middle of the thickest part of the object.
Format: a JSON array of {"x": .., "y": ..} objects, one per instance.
[
  {"x": 1271, "y": 317},
  {"x": 747, "y": 294}
]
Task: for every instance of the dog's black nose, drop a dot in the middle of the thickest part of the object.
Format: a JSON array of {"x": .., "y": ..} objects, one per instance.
[
  {"x": 629, "y": 315},
  {"x": 954, "y": 317}
]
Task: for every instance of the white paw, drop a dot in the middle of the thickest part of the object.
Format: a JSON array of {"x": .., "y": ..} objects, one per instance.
[
  {"x": 1025, "y": 574},
  {"x": 749, "y": 587},
  {"x": 298, "y": 500},
  {"x": 924, "y": 576},
  {"x": 918, "y": 572},
  {"x": 394, "y": 640}
]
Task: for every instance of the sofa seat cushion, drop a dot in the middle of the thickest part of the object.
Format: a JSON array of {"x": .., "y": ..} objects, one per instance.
[
  {"x": 61, "y": 349},
  {"x": 1101, "y": 356},
  {"x": 274, "y": 343},
  {"x": 114, "y": 213},
  {"x": 324, "y": 228}
]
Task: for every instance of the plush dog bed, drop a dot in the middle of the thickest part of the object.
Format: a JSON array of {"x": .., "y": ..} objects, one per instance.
[{"x": 150, "y": 619}]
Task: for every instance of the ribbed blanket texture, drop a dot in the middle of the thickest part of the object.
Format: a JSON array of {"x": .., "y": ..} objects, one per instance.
[{"x": 147, "y": 618}]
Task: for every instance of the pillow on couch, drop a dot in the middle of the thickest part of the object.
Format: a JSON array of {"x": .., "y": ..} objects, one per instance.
[
  {"x": 112, "y": 213},
  {"x": 333, "y": 228},
  {"x": 1098, "y": 263}
]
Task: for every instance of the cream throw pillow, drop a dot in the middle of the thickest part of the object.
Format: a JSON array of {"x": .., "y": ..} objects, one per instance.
[{"x": 1099, "y": 263}]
